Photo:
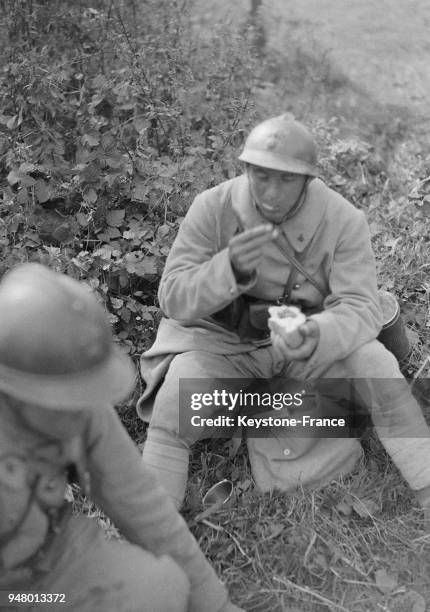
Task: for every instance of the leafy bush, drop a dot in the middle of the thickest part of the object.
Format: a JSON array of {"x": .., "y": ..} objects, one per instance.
[{"x": 112, "y": 119}]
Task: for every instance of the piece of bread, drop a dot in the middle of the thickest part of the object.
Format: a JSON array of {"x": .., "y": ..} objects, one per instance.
[{"x": 285, "y": 320}]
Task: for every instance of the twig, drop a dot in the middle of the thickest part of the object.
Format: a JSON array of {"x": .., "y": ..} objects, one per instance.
[
  {"x": 308, "y": 550},
  {"x": 309, "y": 591},
  {"x": 235, "y": 540}
]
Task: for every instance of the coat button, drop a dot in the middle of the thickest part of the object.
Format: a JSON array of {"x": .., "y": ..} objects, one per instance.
[
  {"x": 296, "y": 286},
  {"x": 231, "y": 290},
  {"x": 286, "y": 451}
]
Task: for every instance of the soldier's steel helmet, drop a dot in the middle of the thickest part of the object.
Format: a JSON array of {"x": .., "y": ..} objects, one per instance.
[
  {"x": 281, "y": 143},
  {"x": 56, "y": 345}
]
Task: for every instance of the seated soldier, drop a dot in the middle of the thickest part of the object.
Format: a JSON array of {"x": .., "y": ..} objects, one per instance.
[
  {"x": 279, "y": 234},
  {"x": 60, "y": 375}
]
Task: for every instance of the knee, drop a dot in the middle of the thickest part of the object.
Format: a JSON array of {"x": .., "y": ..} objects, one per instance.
[
  {"x": 372, "y": 360},
  {"x": 191, "y": 364},
  {"x": 157, "y": 581},
  {"x": 168, "y": 586}
]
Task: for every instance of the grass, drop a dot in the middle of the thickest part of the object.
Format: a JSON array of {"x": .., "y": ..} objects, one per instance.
[{"x": 358, "y": 544}]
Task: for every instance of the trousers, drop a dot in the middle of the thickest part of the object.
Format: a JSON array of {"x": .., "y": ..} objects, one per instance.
[
  {"x": 100, "y": 575},
  {"x": 374, "y": 371}
]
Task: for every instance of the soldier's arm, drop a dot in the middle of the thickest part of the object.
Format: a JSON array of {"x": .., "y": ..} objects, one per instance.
[
  {"x": 198, "y": 278},
  {"x": 351, "y": 314},
  {"x": 143, "y": 512}
]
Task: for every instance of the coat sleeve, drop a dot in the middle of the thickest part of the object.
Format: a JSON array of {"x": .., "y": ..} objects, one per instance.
[
  {"x": 198, "y": 279},
  {"x": 132, "y": 498},
  {"x": 351, "y": 315}
]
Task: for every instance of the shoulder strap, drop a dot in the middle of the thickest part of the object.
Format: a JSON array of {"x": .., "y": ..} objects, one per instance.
[
  {"x": 282, "y": 241},
  {"x": 287, "y": 250}
]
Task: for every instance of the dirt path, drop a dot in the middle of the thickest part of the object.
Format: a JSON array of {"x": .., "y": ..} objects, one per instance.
[{"x": 383, "y": 46}]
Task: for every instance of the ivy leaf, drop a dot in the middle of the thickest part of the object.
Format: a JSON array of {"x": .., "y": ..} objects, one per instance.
[
  {"x": 99, "y": 81},
  {"x": 169, "y": 170},
  {"x": 113, "y": 232},
  {"x": 82, "y": 219},
  {"x": 12, "y": 122},
  {"x": 17, "y": 176},
  {"x": 163, "y": 231},
  {"x": 116, "y": 303},
  {"x": 4, "y": 119},
  {"x": 13, "y": 178},
  {"x": 140, "y": 190},
  {"x": 42, "y": 191},
  {"x": 23, "y": 197},
  {"x": 140, "y": 267},
  {"x": 412, "y": 336},
  {"x": 27, "y": 167},
  {"x": 115, "y": 218},
  {"x": 32, "y": 240},
  {"x": 384, "y": 581},
  {"x": 90, "y": 196},
  {"x": 91, "y": 141}
]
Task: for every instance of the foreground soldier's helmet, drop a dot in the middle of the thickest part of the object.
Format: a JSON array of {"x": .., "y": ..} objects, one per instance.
[
  {"x": 56, "y": 345},
  {"x": 281, "y": 143}
]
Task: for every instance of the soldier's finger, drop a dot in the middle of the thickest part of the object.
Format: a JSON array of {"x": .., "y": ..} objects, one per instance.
[
  {"x": 261, "y": 233},
  {"x": 256, "y": 244}
]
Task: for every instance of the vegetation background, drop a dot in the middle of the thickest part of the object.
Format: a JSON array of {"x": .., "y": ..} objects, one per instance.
[{"x": 114, "y": 115}]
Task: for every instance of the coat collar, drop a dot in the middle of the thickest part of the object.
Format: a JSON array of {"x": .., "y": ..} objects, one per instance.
[{"x": 300, "y": 228}]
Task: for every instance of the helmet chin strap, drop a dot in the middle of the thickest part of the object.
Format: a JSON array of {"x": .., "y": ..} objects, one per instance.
[{"x": 297, "y": 204}]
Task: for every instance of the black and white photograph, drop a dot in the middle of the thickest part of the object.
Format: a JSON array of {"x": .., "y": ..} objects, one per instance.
[{"x": 214, "y": 306}]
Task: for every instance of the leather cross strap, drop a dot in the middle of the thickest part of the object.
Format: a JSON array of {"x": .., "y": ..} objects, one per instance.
[{"x": 284, "y": 245}]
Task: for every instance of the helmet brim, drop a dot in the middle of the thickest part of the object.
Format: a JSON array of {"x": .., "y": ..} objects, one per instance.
[
  {"x": 109, "y": 382},
  {"x": 266, "y": 159}
]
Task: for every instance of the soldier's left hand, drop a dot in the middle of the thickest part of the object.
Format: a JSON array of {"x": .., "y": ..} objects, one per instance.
[{"x": 311, "y": 335}]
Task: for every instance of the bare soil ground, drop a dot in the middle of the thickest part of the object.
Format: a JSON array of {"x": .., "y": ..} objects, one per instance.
[{"x": 382, "y": 47}]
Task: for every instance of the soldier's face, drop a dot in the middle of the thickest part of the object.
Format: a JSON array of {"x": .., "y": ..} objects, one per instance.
[{"x": 275, "y": 192}]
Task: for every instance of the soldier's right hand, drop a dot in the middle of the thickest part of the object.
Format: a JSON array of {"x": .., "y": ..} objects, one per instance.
[{"x": 246, "y": 249}]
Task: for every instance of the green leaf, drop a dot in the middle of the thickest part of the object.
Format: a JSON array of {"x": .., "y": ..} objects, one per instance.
[
  {"x": 163, "y": 231},
  {"x": 115, "y": 218},
  {"x": 42, "y": 191},
  {"x": 4, "y": 119},
  {"x": 23, "y": 197},
  {"x": 12, "y": 122},
  {"x": 140, "y": 190},
  {"x": 82, "y": 219},
  {"x": 143, "y": 267},
  {"x": 91, "y": 141},
  {"x": 17, "y": 176},
  {"x": 90, "y": 196},
  {"x": 384, "y": 581},
  {"x": 99, "y": 82},
  {"x": 412, "y": 336},
  {"x": 27, "y": 167},
  {"x": 13, "y": 177},
  {"x": 116, "y": 303},
  {"x": 113, "y": 232}
]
